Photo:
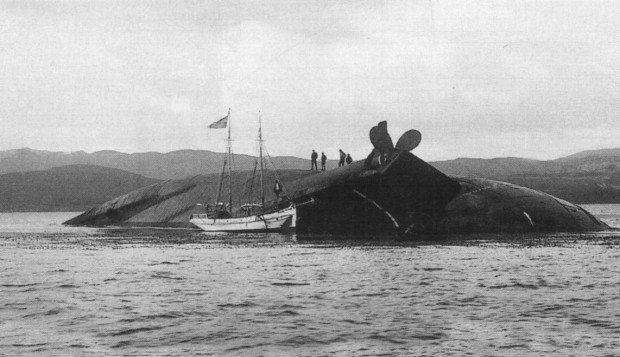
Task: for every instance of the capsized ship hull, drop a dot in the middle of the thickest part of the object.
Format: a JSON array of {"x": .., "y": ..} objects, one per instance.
[
  {"x": 391, "y": 192},
  {"x": 408, "y": 196},
  {"x": 380, "y": 198}
]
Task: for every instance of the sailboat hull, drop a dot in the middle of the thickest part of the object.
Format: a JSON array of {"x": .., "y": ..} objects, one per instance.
[{"x": 284, "y": 219}]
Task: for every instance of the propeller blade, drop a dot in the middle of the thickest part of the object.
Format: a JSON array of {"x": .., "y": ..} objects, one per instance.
[
  {"x": 380, "y": 138},
  {"x": 409, "y": 140}
]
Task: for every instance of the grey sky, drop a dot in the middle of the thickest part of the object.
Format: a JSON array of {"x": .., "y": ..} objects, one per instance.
[{"x": 536, "y": 79}]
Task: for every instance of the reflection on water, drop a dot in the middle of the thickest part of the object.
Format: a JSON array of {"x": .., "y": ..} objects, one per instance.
[{"x": 81, "y": 291}]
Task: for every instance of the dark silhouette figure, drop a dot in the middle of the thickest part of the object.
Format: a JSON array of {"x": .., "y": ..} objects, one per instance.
[
  {"x": 323, "y": 160},
  {"x": 349, "y": 159},
  {"x": 277, "y": 189},
  {"x": 342, "y": 158},
  {"x": 313, "y": 157}
]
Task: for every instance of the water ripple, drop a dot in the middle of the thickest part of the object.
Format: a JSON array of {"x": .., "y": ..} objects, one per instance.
[{"x": 149, "y": 292}]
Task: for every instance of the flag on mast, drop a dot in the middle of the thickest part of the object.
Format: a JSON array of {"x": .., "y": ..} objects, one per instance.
[{"x": 220, "y": 124}]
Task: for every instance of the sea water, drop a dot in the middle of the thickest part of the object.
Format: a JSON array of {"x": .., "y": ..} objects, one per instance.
[{"x": 89, "y": 291}]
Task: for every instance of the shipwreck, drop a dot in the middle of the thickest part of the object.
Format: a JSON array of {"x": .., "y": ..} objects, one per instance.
[{"x": 392, "y": 191}]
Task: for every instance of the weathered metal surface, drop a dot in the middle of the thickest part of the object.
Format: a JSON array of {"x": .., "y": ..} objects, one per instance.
[
  {"x": 401, "y": 187},
  {"x": 493, "y": 206}
]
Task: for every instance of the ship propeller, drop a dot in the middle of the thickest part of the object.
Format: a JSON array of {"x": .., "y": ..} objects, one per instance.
[
  {"x": 409, "y": 140},
  {"x": 382, "y": 142},
  {"x": 380, "y": 138}
]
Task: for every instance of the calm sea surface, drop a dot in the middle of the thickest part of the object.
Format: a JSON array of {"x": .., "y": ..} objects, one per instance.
[{"x": 83, "y": 291}]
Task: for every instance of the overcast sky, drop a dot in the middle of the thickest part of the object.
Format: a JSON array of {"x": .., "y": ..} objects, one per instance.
[{"x": 538, "y": 79}]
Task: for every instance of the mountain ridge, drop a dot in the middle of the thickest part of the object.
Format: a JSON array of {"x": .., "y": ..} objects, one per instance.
[
  {"x": 66, "y": 188},
  {"x": 172, "y": 165},
  {"x": 579, "y": 178},
  {"x": 190, "y": 162}
]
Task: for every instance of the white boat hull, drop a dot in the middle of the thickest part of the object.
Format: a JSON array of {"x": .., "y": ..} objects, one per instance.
[{"x": 279, "y": 220}]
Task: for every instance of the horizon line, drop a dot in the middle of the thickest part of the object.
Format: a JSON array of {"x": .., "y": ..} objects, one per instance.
[{"x": 297, "y": 157}]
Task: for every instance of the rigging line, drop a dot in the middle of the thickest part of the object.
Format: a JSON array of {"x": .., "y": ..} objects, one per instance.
[
  {"x": 275, "y": 173},
  {"x": 252, "y": 186},
  {"x": 219, "y": 189},
  {"x": 260, "y": 148},
  {"x": 232, "y": 163},
  {"x": 249, "y": 181}
]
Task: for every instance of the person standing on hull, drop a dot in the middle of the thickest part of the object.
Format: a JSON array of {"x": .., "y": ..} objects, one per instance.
[
  {"x": 349, "y": 159},
  {"x": 313, "y": 164},
  {"x": 342, "y": 158},
  {"x": 323, "y": 160},
  {"x": 277, "y": 189}
]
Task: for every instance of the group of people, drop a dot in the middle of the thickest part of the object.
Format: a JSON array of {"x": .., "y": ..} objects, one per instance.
[{"x": 344, "y": 158}]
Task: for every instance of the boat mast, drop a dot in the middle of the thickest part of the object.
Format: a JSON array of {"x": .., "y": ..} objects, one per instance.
[
  {"x": 219, "y": 188},
  {"x": 229, "y": 165},
  {"x": 260, "y": 152}
]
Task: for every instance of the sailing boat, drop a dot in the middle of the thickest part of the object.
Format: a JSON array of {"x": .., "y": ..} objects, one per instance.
[{"x": 222, "y": 220}]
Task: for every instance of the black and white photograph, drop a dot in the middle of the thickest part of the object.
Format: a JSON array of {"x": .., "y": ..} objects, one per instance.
[{"x": 309, "y": 178}]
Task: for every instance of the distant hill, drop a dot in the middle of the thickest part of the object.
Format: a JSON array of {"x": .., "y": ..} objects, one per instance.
[
  {"x": 593, "y": 153},
  {"x": 586, "y": 177},
  {"x": 67, "y": 188},
  {"x": 43, "y": 180},
  {"x": 175, "y": 164},
  {"x": 184, "y": 163},
  {"x": 492, "y": 168},
  {"x": 592, "y": 161},
  {"x": 600, "y": 161}
]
